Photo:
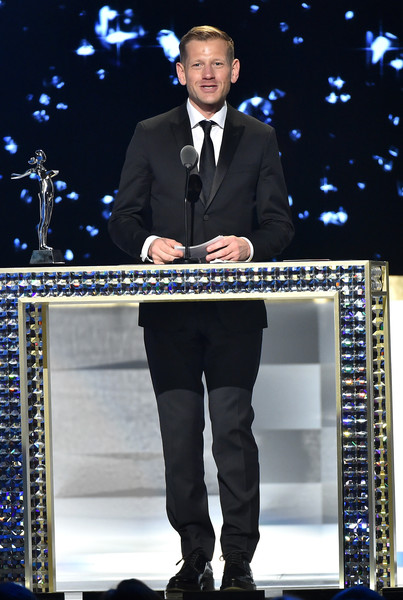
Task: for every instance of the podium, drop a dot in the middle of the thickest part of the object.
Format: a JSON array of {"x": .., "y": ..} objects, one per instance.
[{"x": 359, "y": 290}]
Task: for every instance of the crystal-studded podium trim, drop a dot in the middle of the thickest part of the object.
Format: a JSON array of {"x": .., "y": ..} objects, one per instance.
[{"x": 366, "y": 474}]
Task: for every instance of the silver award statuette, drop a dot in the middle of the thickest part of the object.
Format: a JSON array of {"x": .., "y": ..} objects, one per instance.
[{"x": 45, "y": 255}]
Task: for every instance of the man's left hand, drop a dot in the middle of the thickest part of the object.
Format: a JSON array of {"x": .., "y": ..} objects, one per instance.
[{"x": 230, "y": 247}]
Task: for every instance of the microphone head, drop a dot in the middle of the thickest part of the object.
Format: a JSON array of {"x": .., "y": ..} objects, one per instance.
[
  {"x": 189, "y": 157},
  {"x": 194, "y": 187}
]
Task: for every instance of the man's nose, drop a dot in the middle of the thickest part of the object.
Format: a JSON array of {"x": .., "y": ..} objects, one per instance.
[{"x": 208, "y": 72}]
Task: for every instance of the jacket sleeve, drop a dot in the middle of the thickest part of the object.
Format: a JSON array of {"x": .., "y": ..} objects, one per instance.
[
  {"x": 274, "y": 224},
  {"x": 130, "y": 219}
]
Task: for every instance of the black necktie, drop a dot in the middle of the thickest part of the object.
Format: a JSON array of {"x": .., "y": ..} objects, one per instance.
[{"x": 207, "y": 160}]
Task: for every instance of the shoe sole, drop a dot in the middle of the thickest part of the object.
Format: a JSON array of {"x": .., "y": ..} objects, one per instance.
[
  {"x": 237, "y": 589},
  {"x": 205, "y": 586},
  {"x": 175, "y": 594},
  {"x": 178, "y": 594}
]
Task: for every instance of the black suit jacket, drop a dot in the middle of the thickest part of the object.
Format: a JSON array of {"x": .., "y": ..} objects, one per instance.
[{"x": 248, "y": 198}]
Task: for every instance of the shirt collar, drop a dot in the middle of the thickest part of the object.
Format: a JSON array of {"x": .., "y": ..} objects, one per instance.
[{"x": 195, "y": 116}]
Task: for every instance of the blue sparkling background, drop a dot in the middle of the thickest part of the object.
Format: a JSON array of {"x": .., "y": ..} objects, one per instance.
[{"x": 78, "y": 75}]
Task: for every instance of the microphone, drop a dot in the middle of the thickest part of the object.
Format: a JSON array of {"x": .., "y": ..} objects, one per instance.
[
  {"x": 189, "y": 157},
  {"x": 194, "y": 188}
]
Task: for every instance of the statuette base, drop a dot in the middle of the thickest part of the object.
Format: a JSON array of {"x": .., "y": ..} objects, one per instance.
[{"x": 47, "y": 257}]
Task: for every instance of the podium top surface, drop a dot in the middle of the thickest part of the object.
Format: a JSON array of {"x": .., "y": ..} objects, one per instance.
[{"x": 307, "y": 263}]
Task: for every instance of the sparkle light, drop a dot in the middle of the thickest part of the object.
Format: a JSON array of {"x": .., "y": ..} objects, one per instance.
[
  {"x": 345, "y": 97},
  {"x": 18, "y": 245},
  {"x": 326, "y": 187},
  {"x": 331, "y": 98},
  {"x": 105, "y": 15},
  {"x": 60, "y": 185},
  {"x": 108, "y": 199},
  {"x": 73, "y": 196},
  {"x": 108, "y": 29},
  {"x": 85, "y": 49},
  {"x": 44, "y": 99},
  {"x": 276, "y": 94},
  {"x": 397, "y": 64},
  {"x": 295, "y": 135},
  {"x": 57, "y": 82},
  {"x": 257, "y": 107},
  {"x": 336, "y": 82},
  {"x": 334, "y": 218},
  {"x": 379, "y": 46},
  {"x": 169, "y": 43},
  {"x": 119, "y": 37},
  {"x": 93, "y": 231},
  {"x": 10, "y": 144},
  {"x": 387, "y": 165},
  {"x": 26, "y": 196}
]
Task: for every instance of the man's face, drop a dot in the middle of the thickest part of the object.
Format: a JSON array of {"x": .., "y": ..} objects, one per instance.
[{"x": 207, "y": 74}]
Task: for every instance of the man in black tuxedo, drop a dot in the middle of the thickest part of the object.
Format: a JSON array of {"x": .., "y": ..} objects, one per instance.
[{"x": 247, "y": 204}]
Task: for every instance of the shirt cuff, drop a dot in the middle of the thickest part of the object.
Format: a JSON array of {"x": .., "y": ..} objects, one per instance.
[
  {"x": 252, "y": 250},
  {"x": 146, "y": 246}
]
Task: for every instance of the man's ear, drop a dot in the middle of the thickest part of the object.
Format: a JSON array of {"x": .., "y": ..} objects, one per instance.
[
  {"x": 180, "y": 71},
  {"x": 235, "y": 70}
]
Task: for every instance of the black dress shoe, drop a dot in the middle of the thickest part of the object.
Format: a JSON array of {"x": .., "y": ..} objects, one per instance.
[
  {"x": 237, "y": 574},
  {"x": 196, "y": 575}
]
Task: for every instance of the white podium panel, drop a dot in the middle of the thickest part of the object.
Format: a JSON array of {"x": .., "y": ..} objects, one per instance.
[{"x": 108, "y": 471}]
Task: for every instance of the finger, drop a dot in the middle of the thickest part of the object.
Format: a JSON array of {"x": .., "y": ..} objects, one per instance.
[
  {"x": 166, "y": 254},
  {"x": 218, "y": 245}
]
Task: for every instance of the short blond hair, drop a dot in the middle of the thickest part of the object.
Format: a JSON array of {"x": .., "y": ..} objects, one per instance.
[{"x": 204, "y": 33}]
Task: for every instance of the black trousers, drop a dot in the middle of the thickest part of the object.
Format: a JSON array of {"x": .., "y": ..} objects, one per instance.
[{"x": 230, "y": 361}]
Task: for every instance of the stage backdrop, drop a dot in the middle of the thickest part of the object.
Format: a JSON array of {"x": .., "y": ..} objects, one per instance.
[{"x": 77, "y": 75}]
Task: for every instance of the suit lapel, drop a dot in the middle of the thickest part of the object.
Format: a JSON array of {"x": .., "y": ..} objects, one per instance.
[
  {"x": 231, "y": 137},
  {"x": 181, "y": 129}
]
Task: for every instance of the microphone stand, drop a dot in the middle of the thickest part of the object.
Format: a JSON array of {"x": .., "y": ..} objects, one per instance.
[{"x": 186, "y": 256}]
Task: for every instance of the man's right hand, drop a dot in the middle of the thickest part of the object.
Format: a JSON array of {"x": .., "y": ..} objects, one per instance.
[{"x": 162, "y": 251}]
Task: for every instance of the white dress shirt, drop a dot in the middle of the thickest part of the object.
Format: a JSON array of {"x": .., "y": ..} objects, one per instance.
[{"x": 216, "y": 131}]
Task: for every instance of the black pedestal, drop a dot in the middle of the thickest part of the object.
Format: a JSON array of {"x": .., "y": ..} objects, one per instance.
[{"x": 46, "y": 257}]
